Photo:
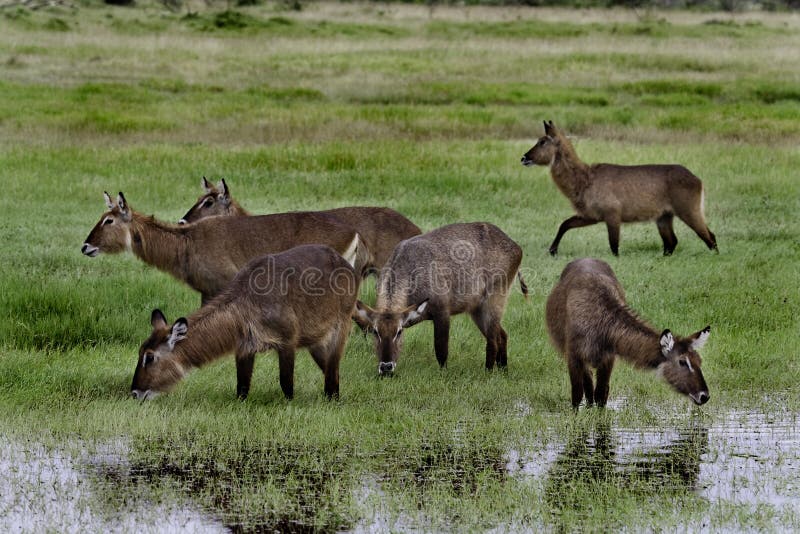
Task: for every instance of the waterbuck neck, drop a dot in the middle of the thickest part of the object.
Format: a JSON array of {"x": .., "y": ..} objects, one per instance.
[
  {"x": 570, "y": 174},
  {"x": 214, "y": 331},
  {"x": 236, "y": 209},
  {"x": 161, "y": 245},
  {"x": 634, "y": 340}
]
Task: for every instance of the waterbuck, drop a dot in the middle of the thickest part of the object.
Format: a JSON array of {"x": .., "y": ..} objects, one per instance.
[
  {"x": 207, "y": 255},
  {"x": 616, "y": 194},
  {"x": 380, "y": 228},
  {"x": 454, "y": 269},
  {"x": 589, "y": 323},
  {"x": 303, "y": 297}
]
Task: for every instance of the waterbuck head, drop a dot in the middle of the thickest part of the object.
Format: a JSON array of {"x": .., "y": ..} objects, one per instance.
[
  {"x": 112, "y": 232},
  {"x": 215, "y": 201},
  {"x": 681, "y": 365},
  {"x": 545, "y": 148},
  {"x": 387, "y": 329},
  {"x": 158, "y": 369}
]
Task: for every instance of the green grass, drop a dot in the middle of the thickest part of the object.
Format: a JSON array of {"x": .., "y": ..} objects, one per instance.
[{"x": 343, "y": 104}]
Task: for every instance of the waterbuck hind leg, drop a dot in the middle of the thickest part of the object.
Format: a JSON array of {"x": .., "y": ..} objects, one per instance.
[
  {"x": 244, "y": 372},
  {"x": 576, "y": 374},
  {"x": 502, "y": 349},
  {"x": 588, "y": 386},
  {"x": 612, "y": 224},
  {"x": 575, "y": 221},
  {"x": 441, "y": 338},
  {"x": 603, "y": 379},
  {"x": 667, "y": 233},
  {"x": 697, "y": 223},
  {"x": 286, "y": 371}
]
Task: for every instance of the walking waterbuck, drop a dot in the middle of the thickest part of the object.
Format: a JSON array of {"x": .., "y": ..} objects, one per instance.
[
  {"x": 616, "y": 194},
  {"x": 207, "y": 255},
  {"x": 454, "y": 269},
  {"x": 589, "y": 323},
  {"x": 380, "y": 228},
  {"x": 303, "y": 297}
]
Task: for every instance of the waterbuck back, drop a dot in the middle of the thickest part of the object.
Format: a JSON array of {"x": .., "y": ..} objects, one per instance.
[{"x": 301, "y": 298}]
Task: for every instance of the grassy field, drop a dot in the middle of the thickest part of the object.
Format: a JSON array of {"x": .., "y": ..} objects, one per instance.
[{"x": 426, "y": 111}]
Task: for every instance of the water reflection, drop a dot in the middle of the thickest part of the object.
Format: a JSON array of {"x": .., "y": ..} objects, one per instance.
[{"x": 596, "y": 459}]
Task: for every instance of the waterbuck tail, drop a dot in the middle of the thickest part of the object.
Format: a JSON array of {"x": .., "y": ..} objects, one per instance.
[{"x": 523, "y": 287}]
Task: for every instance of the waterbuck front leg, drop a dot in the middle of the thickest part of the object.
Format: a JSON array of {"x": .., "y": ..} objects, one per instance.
[
  {"x": 502, "y": 348},
  {"x": 286, "y": 371},
  {"x": 441, "y": 337},
  {"x": 603, "y": 379},
  {"x": 576, "y": 221},
  {"x": 667, "y": 233},
  {"x": 245, "y": 359},
  {"x": 328, "y": 361}
]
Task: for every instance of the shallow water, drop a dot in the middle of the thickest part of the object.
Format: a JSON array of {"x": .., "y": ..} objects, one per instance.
[{"x": 739, "y": 458}]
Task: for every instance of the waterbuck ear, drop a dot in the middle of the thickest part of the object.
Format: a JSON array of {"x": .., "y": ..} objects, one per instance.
[
  {"x": 124, "y": 209},
  {"x": 415, "y": 314},
  {"x": 699, "y": 339},
  {"x": 178, "y": 332},
  {"x": 109, "y": 202},
  {"x": 207, "y": 187},
  {"x": 549, "y": 128},
  {"x": 223, "y": 193},
  {"x": 667, "y": 342},
  {"x": 157, "y": 319},
  {"x": 363, "y": 316}
]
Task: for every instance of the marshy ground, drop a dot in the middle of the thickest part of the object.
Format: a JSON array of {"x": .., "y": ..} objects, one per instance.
[{"x": 426, "y": 111}]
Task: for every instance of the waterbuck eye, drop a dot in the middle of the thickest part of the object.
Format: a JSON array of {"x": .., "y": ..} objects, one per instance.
[
  {"x": 683, "y": 363},
  {"x": 149, "y": 358},
  {"x": 108, "y": 220},
  {"x": 208, "y": 203},
  {"x": 397, "y": 335}
]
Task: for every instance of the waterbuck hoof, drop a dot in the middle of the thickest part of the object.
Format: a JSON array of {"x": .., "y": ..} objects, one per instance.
[{"x": 553, "y": 251}]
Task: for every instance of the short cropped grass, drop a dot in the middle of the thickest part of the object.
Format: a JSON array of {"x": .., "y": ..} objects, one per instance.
[{"x": 427, "y": 112}]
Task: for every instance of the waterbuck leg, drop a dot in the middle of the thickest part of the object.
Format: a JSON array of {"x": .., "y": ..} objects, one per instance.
[
  {"x": 576, "y": 372},
  {"x": 502, "y": 348},
  {"x": 667, "y": 233},
  {"x": 487, "y": 328},
  {"x": 328, "y": 361},
  {"x": 244, "y": 372},
  {"x": 696, "y": 222},
  {"x": 603, "y": 378},
  {"x": 441, "y": 337},
  {"x": 588, "y": 386},
  {"x": 575, "y": 221},
  {"x": 612, "y": 224},
  {"x": 286, "y": 370}
]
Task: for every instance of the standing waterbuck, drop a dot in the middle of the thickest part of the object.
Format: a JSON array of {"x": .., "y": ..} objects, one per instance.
[
  {"x": 380, "y": 228},
  {"x": 303, "y": 297},
  {"x": 454, "y": 269},
  {"x": 207, "y": 255},
  {"x": 589, "y": 323},
  {"x": 616, "y": 194}
]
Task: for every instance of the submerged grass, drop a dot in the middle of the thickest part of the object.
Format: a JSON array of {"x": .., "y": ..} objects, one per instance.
[{"x": 342, "y": 105}]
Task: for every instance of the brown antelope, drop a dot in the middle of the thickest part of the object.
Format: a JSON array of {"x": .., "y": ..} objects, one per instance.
[
  {"x": 459, "y": 268},
  {"x": 589, "y": 323},
  {"x": 303, "y": 297},
  {"x": 207, "y": 255},
  {"x": 380, "y": 228},
  {"x": 616, "y": 194}
]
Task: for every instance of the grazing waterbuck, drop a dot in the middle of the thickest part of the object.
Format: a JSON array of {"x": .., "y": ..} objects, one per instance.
[
  {"x": 459, "y": 268},
  {"x": 589, "y": 323},
  {"x": 207, "y": 255},
  {"x": 301, "y": 298},
  {"x": 615, "y": 194},
  {"x": 381, "y": 229}
]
